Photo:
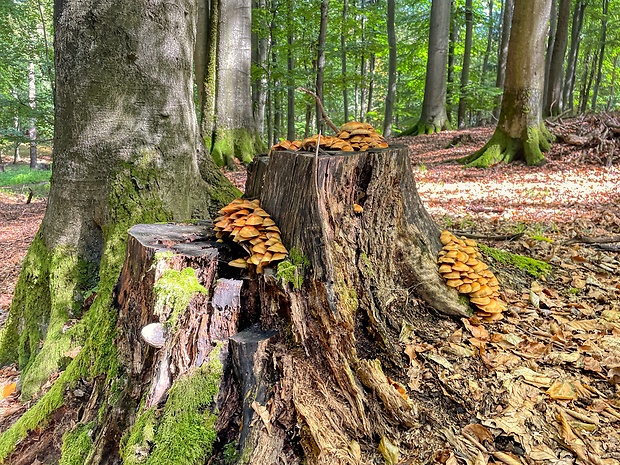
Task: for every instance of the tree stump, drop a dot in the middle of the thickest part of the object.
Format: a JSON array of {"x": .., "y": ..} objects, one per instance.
[{"x": 366, "y": 249}]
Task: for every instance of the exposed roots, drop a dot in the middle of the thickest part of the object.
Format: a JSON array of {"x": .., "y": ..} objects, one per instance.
[
  {"x": 503, "y": 148},
  {"x": 427, "y": 127}
]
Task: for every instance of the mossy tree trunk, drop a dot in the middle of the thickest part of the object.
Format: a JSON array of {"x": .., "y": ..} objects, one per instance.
[
  {"x": 521, "y": 132},
  {"x": 434, "y": 117},
  {"x": 127, "y": 149},
  {"x": 227, "y": 120}
]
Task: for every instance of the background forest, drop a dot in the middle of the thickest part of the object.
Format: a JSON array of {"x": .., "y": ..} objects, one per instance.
[{"x": 355, "y": 65}]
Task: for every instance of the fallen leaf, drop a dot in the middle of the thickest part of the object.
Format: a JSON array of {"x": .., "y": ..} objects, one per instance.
[
  {"x": 562, "y": 390},
  {"x": 390, "y": 452}
]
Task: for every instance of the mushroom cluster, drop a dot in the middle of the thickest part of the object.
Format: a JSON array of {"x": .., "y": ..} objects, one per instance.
[
  {"x": 245, "y": 222},
  {"x": 460, "y": 265},
  {"x": 353, "y": 137}
]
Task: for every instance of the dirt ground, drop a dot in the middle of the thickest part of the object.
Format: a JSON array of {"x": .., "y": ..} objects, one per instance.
[{"x": 554, "y": 361}]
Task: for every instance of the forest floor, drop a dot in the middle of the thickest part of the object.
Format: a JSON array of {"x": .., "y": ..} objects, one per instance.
[{"x": 551, "y": 391}]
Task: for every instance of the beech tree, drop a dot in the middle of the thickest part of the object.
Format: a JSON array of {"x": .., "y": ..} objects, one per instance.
[
  {"x": 521, "y": 132},
  {"x": 223, "y": 62},
  {"x": 127, "y": 150},
  {"x": 434, "y": 117}
]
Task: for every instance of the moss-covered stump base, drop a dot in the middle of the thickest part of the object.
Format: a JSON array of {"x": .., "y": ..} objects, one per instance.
[
  {"x": 176, "y": 277},
  {"x": 428, "y": 127},
  {"x": 502, "y": 148}
]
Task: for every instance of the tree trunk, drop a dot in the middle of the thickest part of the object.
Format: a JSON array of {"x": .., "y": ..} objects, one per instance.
[
  {"x": 553, "y": 96},
  {"x": 32, "y": 131},
  {"x": 343, "y": 58},
  {"x": 371, "y": 84},
  {"x": 612, "y": 85},
  {"x": 259, "y": 87},
  {"x": 290, "y": 100},
  {"x": 450, "y": 77},
  {"x": 507, "y": 14},
  {"x": 550, "y": 43},
  {"x": 320, "y": 62},
  {"x": 521, "y": 131},
  {"x": 571, "y": 62},
  {"x": 601, "y": 54},
  {"x": 487, "y": 53},
  {"x": 227, "y": 120},
  {"x": 391, "y": 88},
  {"x": 469, "y": 18},
  {"x": 127, "y": 149},
  {"x": 434, "y": 117}
]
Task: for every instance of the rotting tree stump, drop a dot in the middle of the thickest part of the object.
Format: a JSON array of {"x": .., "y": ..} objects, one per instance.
[{"x": 318, "y": 373}]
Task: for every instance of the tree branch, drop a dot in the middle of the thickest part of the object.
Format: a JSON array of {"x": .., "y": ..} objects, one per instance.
[{"x": 320, "y": 104}]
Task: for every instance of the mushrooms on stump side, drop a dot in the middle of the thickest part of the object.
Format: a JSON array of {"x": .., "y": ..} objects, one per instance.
[{"x": 461, "y": 267}]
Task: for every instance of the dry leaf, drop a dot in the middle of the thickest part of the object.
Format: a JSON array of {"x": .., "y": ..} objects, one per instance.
[
  {"x": 390, "y": 452},
  {"x": 8, "y": 389},
  {"x": 562, "y": 390},
  {"x": 264, "y": 415}
]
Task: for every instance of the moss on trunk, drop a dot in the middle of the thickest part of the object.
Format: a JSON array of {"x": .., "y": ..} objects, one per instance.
[
  {"x": 184, "y": 432},
  {"x": 502, "y": 148},
  {"x": 229, "y": 144},
  {"x": 428, "y": 127}
]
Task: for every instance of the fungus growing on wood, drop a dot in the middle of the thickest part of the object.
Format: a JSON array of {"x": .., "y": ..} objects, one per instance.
[
  {"x": 461, "y": 267},
  {"x": 246, "y": 223},
  {"x": 352, "y": 137}
]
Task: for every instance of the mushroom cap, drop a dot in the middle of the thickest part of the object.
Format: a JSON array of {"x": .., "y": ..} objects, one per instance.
[
  {"x": 484, "y": 291},
  {"x": 462, "y": 256},
  {"x": 493, "y": 306},
  {"x": 358, "y": 208},
  {"x": 278, "y": 256},
  {"x": 351, "y": 126},
  {"x": 453, "y": 275},
  {"x": 259, "y": 248},
  {"x": 278, "y": 247},
  {"x": 454, "y": 282},
  {"x": 465, "y": 288},
  {"x": 248, "y": 232},
  {"x": 238, "y": 263},
  {"x": 445, "y": 268},
  {"x": 459, "y": 266},
  {"x": 475, "y": 286},
  {"x": 493, "y": 317},
  {"x": 480, "y": 300},
  {"x": 254, "y": 220}
]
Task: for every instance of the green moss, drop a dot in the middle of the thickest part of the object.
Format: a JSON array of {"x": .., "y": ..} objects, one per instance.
[
  {"x": 533, "y": 267},
  {"x": 97, "y": 326},
  {"x": 49, "y": 293},
  {"x": 427, "y": 127},
  {"x": 77, "y": 445},
  {"x": 185, "y": 431},
  {"x": 366, "y": 264},
  {"x": 241, "y": 143},
  {"x": 292, "y": 269},
  {"x": 230, "y": 453},
  {"x": 174, "y": 290}
]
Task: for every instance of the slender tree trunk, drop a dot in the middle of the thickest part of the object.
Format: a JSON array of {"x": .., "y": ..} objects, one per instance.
[
  {"x": 568, "y": 97},
  {"x": 32, "y": 131},
  {"x": 589, "y": 76},
  {"x": 469, "y": 19},
  {"x": 601, "y": 55},
  {"x": 391, "y": 88},
  {"x": 434, "y": 117},
  {"x": 371, "y": 83},
  {"x": 521, "y": 131},
  {"x": 550, "y": 43},
  {"x": 487, "y": 53},
  {"x": 507, "y": 14},
  {"x": 343, "y": 58},
  {"x": 553, "y": 96},
  {"x": 320, "y": 62},
  {"x": 612, "y": 85},
  {"x": 450, "y": 99},
  {"x": 127, "y": 149},
  {"x": 259, "y": 87},
  {"x": 290, "y": 114}
]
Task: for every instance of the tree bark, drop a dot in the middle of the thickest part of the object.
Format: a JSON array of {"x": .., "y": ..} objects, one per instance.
[
  {"x": 32, "y": 131},
  {"x": 127, "y": 149},
  {"x": 259, "y": 86},
  {"x": 320, "y": 62},
  {"x": 521, "y": 132},
  {"x": 550, "y": 43},
  {"x": 571, "y": 62},
  {"x": 434, "y": 117},
  {"x": 290, "y": 114},
  {"x": 601, "y": 54},
  {"x": 228, "y": 125},
  {"x": 507, "y": 14},
  {"x": 391, "y": 88},
  {"x": 553, "y": 96},
  {"x": 343, "y": 58},
  {"x": 469, "y": 18}
]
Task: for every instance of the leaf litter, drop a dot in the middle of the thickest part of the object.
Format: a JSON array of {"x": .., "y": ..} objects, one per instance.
[{"x": 541, "y": 386}]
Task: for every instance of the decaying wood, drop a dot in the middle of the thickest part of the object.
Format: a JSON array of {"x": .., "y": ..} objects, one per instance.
[
  {"x": 593, "y": 240},
  {"x": 208, "y": 318}
]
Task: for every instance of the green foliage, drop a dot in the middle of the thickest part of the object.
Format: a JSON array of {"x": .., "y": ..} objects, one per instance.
[
  {"x": 533, "y": 267},
  {"x": 293, "y": 268},
  {"x": 174, "y": 290},
  {"x": 18, "y": 178}
]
